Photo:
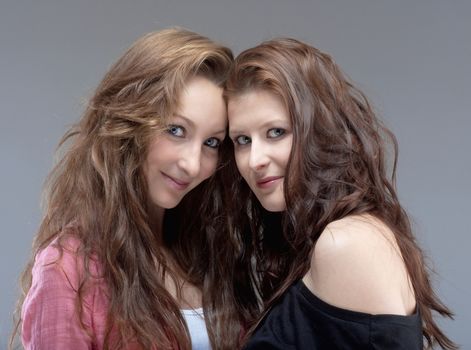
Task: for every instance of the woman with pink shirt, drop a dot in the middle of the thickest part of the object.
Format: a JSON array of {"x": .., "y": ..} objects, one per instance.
[{"x": 129, "y": 254}]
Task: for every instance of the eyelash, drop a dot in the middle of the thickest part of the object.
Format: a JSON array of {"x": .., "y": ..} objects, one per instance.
[
  {"x": 216, "y": 146},
  {"x": 280, "y": 130},
  {"x": 171, "y": 129},
  {"x": 239, "y": 143},
  {"x": 270, "y": 135},
  {"x": 212, "y": 142}
]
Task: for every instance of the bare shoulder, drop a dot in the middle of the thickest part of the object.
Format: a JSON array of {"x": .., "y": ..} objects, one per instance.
[{"x": 357, "y": 265}]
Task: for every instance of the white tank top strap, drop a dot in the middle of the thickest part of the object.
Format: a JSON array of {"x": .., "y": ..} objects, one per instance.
[{"x": 194, "y": 319}]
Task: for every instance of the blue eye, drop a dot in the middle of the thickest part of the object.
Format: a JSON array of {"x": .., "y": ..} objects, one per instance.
[
  {"x": 242, "y": 140},
  {"x": 275, "y": 132},
  {"x": 176, "y": 130},
  {"x": 212, "y": 142}
]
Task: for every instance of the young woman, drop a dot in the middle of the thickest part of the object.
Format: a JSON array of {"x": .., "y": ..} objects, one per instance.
[
  {"x": 125, "y": 257},
  {"x": 345, "y": 271}
]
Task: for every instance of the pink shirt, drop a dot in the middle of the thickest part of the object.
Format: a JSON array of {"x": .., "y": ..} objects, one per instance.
[{"x": 49, "y": 313}]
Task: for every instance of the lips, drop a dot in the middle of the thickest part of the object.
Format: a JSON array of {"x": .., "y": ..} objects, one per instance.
[
  {"x": 268, "y": 181},
  {"x": 175, "y": 183}
]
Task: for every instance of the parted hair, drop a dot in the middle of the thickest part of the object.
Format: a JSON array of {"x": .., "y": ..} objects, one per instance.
[
  {"x": 342, "y": 162},
  {"x": 98, "y": 193}
]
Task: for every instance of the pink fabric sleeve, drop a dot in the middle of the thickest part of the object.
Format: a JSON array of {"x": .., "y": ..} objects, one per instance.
[{"x": 49, "y": 313}]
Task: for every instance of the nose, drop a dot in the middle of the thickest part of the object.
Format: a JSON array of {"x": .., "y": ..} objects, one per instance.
[
  {"x": 190, "y": 160},
  {"x": 259, "y": 158}
]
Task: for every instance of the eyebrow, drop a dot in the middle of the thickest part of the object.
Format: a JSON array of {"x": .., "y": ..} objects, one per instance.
[
  {"x": 192, "y": 124},
  {"x": 189, "y": 121},
  {"x": 223, "y": 131},
  {"x": 274, "y": 122},
  {"x": 268, "y": 124},
  {"x": 234, "y": 131}
]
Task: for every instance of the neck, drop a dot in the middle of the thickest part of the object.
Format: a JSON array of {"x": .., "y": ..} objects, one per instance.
[
  {"x": 185, "y": 294},
  {"x": 156, "y": 218}
]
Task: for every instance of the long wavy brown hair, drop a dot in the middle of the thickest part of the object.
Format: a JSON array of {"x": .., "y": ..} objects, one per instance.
[
  {"x": 99, "y": 186},
  {"x": 338, "y": 167}
]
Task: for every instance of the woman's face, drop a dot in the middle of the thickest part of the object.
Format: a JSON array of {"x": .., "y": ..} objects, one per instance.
[
  {"x": 260, "y": 128},
  {"x": 186, "y": 153}
]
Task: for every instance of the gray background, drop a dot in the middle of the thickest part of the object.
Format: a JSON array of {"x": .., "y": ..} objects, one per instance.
[{"x": 412, "y": 58}]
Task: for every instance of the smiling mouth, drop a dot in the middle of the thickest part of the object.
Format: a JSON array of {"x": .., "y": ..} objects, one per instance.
[
  {"x": 268, "y": 182},
  {"x": 175, "y": 183}
]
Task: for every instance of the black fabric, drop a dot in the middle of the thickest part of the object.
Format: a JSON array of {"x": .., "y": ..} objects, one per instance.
[{"x": 303, "y": 321}]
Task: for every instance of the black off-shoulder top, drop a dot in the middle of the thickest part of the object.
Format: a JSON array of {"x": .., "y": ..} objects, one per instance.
[{"x": 300, "y": 320}]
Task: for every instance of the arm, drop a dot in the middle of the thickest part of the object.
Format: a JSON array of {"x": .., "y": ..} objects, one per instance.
[{"x": 50, "y": 319}]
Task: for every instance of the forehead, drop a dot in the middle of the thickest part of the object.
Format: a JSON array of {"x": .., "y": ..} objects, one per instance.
[
  {"x": 256, "y": 105},
  {"x": 202, "y": 103}
]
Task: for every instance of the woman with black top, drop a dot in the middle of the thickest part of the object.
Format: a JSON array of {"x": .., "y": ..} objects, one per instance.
[{"x": 331, "y": 250}]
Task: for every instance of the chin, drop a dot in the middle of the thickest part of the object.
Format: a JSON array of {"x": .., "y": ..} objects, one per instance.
[
  {"x": 275, "y": 209},
  {"x": 273, "y": 206},
  {"x": 169, "y": 206},
  {"x": 165, "y": 203}
]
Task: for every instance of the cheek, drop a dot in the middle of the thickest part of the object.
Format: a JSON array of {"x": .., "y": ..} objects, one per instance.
[
  {"x": 208, "y": 166},
  {"x": 242, "y": 163},
  {"x": 285, "y": 152},
  {"x": 160, "y": 152},
  {"x": 153, "y": 162},
  {"x": 148, "y": 167}
]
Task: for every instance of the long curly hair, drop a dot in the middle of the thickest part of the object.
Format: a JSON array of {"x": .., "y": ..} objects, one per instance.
[
  {"x": 98, "y": 186},
  {"x": 338, "y": 166}
]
